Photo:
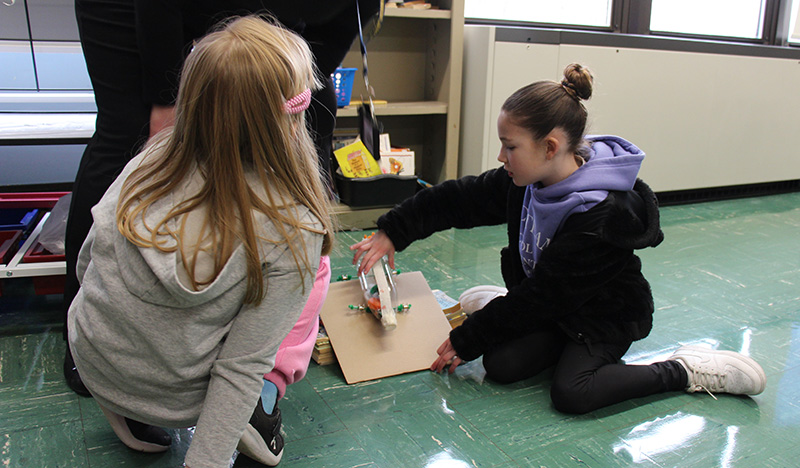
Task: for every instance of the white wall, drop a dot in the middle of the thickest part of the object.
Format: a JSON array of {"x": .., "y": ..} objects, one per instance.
[{"x": 704, "y": 120}]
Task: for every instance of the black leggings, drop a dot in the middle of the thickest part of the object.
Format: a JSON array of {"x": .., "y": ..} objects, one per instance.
[{"x": 587, "y": 376}]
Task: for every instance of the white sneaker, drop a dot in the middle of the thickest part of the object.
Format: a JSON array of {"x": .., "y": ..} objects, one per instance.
[
  {"x": 477, "y": 297},
  {"x": 720, "y": 371}
]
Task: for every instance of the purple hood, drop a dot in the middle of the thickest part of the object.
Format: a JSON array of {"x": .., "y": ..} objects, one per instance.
[{"x": 612, "y": 163}]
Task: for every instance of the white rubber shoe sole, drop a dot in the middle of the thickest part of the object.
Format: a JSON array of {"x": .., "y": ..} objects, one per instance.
[
  {"x": 476, "y": 298},
  {"x": 253, "y": 445}
]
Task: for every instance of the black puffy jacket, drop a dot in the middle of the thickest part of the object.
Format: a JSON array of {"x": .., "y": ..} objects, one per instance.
[{"x": 588, "y": 280}]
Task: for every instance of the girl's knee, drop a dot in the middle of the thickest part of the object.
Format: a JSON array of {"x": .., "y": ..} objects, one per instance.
[
  {"x": 500, "y": 370},
  {"x": 501, "y": 376},
  {"x": 570, "y": 400}
]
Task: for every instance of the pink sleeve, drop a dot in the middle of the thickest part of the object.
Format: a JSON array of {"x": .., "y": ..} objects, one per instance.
[{"x": 294, "y": 353}]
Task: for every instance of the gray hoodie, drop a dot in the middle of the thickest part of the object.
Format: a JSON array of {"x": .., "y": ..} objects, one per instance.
[{"x": 151, "y": 348}]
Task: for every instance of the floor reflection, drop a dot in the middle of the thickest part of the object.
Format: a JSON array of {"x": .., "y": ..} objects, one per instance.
[
  {"x": 660, "y": 435},
  {"x": 445, "y": 460}
]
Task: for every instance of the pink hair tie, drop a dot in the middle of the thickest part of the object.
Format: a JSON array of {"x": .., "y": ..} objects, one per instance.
[{"x": 298, "y": 103}]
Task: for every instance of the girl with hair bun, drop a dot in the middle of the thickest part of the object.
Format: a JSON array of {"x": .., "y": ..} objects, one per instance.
[
  {"x": 204, "y": 252},
  {"x": 575, "y": 296}
]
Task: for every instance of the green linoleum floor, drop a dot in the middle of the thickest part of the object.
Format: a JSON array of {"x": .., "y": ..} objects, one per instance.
[{"x": 727, "y": 275}]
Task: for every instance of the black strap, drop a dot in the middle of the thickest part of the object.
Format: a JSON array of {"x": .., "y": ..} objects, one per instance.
[
  {"x": 370, "y": 91},
  {"x": 368, "y": 125}
]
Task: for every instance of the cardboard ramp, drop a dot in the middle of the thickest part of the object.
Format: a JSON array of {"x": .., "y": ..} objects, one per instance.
[{"x": 365, "y": 350}]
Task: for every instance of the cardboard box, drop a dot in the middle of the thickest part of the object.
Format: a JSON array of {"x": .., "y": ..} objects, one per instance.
[
  {"x": 365, "y": 350},
  {"x": 399, "y": 161}
]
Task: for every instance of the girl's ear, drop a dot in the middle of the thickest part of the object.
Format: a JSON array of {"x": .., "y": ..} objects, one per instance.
[{"x": 552, "y": 145}]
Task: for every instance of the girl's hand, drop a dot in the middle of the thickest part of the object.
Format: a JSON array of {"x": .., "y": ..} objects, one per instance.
[
  {"x": 373, "y": 248},
  {"x": 447, "y": 355}
]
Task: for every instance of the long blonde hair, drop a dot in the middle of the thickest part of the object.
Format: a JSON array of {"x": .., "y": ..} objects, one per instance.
[{"x": 230, "y": 120}]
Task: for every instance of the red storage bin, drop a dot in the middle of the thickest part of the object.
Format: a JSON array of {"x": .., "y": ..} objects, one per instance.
[
  {"x": 45, "y": 284},
  {"x": 30, "y": 199},
  {"x": 37, "y": 201},
  {"x": 38, "y": 254},
  {"x": 49, "y": 284},
  {"x": 8, "y": 245}
]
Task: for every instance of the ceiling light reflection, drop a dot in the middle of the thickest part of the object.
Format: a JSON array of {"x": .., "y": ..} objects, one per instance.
[
  {"x": 747, "y": 338},
  {"x": 659, "y": 436},
  {"x": 445, "y": 409},
  {"x": 445, "y": 460},
  {"x": 726, "y": 457}
]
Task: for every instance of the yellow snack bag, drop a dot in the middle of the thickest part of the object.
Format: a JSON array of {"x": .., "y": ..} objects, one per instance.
[{"x": 356, "y": 161}]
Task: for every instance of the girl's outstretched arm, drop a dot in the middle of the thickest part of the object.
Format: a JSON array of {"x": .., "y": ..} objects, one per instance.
[{"x": 373, "y": 248}]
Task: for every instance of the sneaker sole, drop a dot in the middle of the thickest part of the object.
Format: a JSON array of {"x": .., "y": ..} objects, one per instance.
[
  {"x": 253, "y": 445},
  {"x": 751, "y": 363},
  {"x": 482, "y": 294},
  {"x": 122, "y": 431}
]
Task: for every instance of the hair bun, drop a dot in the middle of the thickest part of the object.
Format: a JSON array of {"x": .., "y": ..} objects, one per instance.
[{"x": 578, "y": 81}]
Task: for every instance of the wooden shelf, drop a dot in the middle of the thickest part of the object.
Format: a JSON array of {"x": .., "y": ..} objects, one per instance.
[
  {"x": 414, "y": 13},
  {"x": 415, "y": 65},
  {"x": 399, "y": 108}
]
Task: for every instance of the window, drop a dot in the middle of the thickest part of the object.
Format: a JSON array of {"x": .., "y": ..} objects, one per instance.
[
  {"x": 794, "y": 25},
  {"x": 571, "y": 12},
  {"x": 724, "y": 18}
]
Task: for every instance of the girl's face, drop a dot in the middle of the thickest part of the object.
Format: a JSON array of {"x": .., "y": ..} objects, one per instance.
[{"x": 524, "y": 158}]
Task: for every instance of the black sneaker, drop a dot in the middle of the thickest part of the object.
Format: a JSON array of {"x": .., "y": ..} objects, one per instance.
[
  {"x": 149, "y": 434},
  {"x": 262, "y": 440},
  {"x": 72, "y": 377}
]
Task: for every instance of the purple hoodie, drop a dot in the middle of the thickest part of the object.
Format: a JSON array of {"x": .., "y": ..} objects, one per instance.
[{"x": 612, "y": 163}]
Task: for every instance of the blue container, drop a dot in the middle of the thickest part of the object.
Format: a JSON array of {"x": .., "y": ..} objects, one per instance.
[
  {"x": 343, "y": 82},
  {"x": 17, "y": 219}
]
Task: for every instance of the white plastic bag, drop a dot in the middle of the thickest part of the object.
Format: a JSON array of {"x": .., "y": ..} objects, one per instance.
[{"x": 55, "y": 228}]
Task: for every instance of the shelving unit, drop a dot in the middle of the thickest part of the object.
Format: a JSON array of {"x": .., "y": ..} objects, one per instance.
[
  {"x": 47, "y": 271},
  {"x": 16, "y": 268},
  {"x": 415, "y": 63}
]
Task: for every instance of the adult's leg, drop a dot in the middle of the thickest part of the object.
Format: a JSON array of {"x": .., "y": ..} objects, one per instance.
[
  {"x": 108, "y": 38},
  {"x": 524, "y": 357},
  {"x": 589, "y": 377}
]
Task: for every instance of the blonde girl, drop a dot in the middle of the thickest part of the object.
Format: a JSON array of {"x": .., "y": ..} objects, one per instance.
[{"x": 204, "y": 251}]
